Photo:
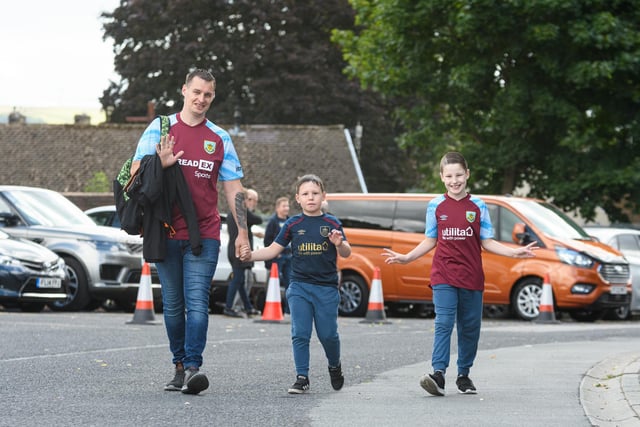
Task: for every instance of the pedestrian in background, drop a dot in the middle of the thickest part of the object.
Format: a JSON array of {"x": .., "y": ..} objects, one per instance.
[
  {"x": 459, "y": 227},
  {"x": 241, "y": 269},
  {"x": 316, "y": 239},
  {"x": 283, "y": 261},
  {"x": 205, "y": 154}
]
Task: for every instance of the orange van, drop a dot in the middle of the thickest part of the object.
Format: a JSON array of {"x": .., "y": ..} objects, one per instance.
[{"x": 587, "y": 277}]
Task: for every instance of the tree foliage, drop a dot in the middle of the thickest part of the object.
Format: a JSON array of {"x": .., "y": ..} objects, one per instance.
[
  {"x": 542, "y": 94},
  {"x": 273, "y": 61}
]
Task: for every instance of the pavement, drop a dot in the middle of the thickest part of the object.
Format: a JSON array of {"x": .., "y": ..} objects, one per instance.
[{"x": 583, "y": 383}]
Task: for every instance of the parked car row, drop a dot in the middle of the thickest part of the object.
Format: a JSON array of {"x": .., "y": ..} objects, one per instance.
[
  {"x": 101, "y": 262},
  {"x": 80, "y": 259},
  {"x": 627, "y": 241},
  {"x": 31, "y": 275},
  {"x": 107, "y": 216},
  {"x": 588, "y": 278}
]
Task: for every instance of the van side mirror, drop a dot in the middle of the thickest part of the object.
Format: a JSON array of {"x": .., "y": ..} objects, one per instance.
[{"x": 519, "y": 234}]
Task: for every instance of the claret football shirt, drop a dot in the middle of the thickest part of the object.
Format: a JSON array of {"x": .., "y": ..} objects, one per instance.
[{"x": 459, "y": 226}]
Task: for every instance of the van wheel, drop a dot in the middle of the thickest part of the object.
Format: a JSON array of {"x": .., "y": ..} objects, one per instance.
[
  {"x": 619, "y": 313},
  {"x": 78, "y": 288},
  {"x": 525, "y": 300},
  {"x": 354, "y": 296}
]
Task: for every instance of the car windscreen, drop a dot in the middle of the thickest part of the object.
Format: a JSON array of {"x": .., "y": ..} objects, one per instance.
[
  {"x": 551, "y": 220},
  {"x": 47, "y": 208}
]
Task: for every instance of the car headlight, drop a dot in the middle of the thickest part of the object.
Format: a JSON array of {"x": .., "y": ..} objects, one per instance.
[
  {"x": 109, "y": 246},
  {"x": 9, "y": 261},
  {"x": 575, "y": 258}
]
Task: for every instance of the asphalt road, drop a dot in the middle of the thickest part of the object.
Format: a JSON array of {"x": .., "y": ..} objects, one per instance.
[{"x": 94, "y": 369}]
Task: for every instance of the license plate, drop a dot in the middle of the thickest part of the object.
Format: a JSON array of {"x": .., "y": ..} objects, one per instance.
[
  {"x": 48, "y": 282},
  {"x": 618, "y": 290}
]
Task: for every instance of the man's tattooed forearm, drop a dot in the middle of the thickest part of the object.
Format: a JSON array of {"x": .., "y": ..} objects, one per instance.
[{"x": 241, "y": 210}]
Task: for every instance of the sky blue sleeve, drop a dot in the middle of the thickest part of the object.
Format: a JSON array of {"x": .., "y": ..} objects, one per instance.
[
  {"x": 431, "y": 223},
  {"x": 486, "y": 228},
  {"x": 148, "y": 141}
]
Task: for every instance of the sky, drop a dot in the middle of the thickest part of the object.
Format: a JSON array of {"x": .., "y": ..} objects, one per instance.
[{"x": 53, "y": 55}]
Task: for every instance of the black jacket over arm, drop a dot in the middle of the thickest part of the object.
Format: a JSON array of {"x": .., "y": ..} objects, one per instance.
[{"x": 156, "y": 190}]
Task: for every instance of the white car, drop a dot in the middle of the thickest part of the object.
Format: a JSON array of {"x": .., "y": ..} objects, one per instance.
[
  {"x": 627, "y": 241},
  {"x": 106, "y": 215}
]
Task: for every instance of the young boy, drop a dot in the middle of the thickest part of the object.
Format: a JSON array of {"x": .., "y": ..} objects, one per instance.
[
  {"x": 461, "y": 227},
  {"x": 316, "y": 239}
]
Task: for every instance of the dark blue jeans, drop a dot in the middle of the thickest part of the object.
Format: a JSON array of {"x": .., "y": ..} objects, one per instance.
[
  {"x": 462, "y": 307},
  {"x": 311, "y": 304},
  {"x": 186, "y": 283},
  {"x": 284, "y": 272},
  {"x": 237, "y": 284}
]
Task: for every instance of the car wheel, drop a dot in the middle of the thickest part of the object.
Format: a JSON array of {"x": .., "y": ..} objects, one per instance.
[
  {"x": 32, "y": 307},
  {"x": 525, "y": 300},
  {"x": 354, "y": 296},
  {"x": 620, "y": 313},
  {"x": 586, "y": 315},
  {"x": 79, "y": 297}
]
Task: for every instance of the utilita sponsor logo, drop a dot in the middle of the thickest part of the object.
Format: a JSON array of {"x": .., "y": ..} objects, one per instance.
[{"x": 453, "y": 233}]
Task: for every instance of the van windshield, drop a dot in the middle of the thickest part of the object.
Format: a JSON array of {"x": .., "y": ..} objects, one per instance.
[{"x": 551, "y": 220}]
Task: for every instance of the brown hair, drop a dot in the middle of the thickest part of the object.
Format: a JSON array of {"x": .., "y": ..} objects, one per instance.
[
  {"x": 281, "y": 200},
  {"x": 309, "y": 178},
  {"x": 203, "y": 74},
  {"x": 453, "y": 158}
]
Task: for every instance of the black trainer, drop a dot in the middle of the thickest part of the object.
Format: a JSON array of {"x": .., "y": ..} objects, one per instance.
[
  {"x": 194, "y": 381},
  {"x": 300, "y": 386},
  {"x": 465, "y": 385},
  {"x": 433, "y": 383},
  {"x": 178, "y": 380},
  {"x": 231, "y": 312},
  {"x": 337, "y": 379}
]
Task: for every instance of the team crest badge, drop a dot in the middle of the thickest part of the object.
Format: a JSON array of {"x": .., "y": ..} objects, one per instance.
[
  {"x": 209, "y": 147},
  {"x": 324, "y": 230},
  {"x": 471, "y": 216}
]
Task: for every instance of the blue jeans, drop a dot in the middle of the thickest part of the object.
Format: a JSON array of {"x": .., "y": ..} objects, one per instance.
[
  {"x": 237, "y": 284},
  {"x": 308, "y": 304},
  {"x": 463, "y": 307},
  {"x": 284, "y": 272},
  {"x": 186, "y": 283}
]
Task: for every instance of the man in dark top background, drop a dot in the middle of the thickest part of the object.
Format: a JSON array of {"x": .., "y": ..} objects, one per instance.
[{"x": 241, "y": 269}]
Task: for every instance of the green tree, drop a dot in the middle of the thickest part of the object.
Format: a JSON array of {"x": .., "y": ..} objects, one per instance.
[
  {"x": 99, "y": 183},
  {"x": 543, "y": 93},
  {"x": 274, "y": 63}
]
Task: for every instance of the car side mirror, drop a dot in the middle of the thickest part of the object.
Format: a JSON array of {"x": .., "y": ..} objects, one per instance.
[
  {"x": 8, "y": 219},
  {"x": 519, "y": 234}
]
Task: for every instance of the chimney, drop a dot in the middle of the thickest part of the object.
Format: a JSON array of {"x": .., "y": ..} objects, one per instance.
[
  {"x": 16, "y": 118},
  {"x": 82, "y": 119}
]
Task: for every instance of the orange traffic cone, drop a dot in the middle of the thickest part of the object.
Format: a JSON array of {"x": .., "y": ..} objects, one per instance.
[
  {"x": 375, "y": 310},
  {"x": 547, "y": 311},
  {"x": 272, "y": 312},
  {"x": 144, "y": 313}
]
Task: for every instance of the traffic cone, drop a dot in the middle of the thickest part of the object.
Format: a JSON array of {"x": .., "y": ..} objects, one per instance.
[
  {"x": 375, "y": 310},
  {"x": 547, "y": 313},
  {"x": 272, "y": 312},
  {"x": 144, "y": 313}
]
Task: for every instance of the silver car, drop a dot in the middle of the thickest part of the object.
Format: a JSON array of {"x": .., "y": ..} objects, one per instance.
[
  {"x": 102, "y": 262},
  {"x": 107, "y": 216},
  {"x": 627, "y": 241}
]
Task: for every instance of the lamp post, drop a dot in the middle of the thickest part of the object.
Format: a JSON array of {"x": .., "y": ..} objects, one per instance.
[{"x": 358, "y": 141}]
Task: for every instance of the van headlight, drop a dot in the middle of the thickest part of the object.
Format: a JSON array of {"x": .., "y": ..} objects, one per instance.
[{"x": 575, "y": 258}]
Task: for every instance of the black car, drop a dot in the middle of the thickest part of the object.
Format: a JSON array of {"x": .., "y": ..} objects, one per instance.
[{"x": 31, "y": 275}]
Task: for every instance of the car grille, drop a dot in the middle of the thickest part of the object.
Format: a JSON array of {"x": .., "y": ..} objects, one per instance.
[
  {"x": 39, "y": 266},
  {"x": 134, "y": 248},
  {"x": 614, "y": 273}
]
